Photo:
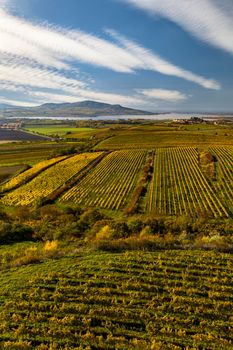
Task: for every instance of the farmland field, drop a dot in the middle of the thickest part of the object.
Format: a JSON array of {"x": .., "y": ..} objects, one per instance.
[
  {"x": 7, "y": 172},
  {"x": 179, "y": 186},
  {"x": 30, "y": 153},
  {"x": 179, "y": 183},
  {"x": 30, "y": 173},
  {"x": 133, "y": 300},
  {"x": 138, "y": 139},
  {"x": 129, "y": 242},
  {"x": 16, "y": 135},
  {"x": 59, "y": 130},
  {"x": 110, "y": 183},
  {"x": 49, "y": 180}
]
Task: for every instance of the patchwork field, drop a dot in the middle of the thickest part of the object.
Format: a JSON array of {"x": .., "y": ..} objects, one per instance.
[
  {"x": 30, "y": 173},
  {"x": 49, "y": 180},
  {"x": 133, "y": 300},
  {"x": 160, "y": 197},
  {"x": 182, "y": 181}
]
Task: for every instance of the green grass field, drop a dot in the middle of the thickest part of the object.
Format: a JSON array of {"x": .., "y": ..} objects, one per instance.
[{"x": 60, "y": 130}]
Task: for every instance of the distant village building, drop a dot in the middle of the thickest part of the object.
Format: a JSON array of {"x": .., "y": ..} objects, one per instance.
[
  {"x": 192, "y": 120},
  {"x": 12, "y": 126}
]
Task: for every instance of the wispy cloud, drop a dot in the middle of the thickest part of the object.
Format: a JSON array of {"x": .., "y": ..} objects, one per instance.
[
  {"x": 150, "y": 61},
  {"x": 134, "y": 100},
  {"x": 163, "y": 94},
  {"x": 208, "y": 20},
  {"x": 16, "y": 102},
  {"x": 39, "y": 55}
]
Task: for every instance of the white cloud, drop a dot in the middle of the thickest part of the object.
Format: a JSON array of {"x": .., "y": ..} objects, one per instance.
[
  {"x": 208, "y": 20},
  {"x": 162, "y": 94},
  {"x": 81, "y": 94},
  {"x": 150, "y": 61},
  {"x": 17, "y": 102},
  {"x": 26, "y": 75},
  {"x": 35, "y": 56},
  {"x": 59, "y": 48}
]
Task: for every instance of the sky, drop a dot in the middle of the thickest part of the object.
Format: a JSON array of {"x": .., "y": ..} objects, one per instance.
[{"x": 155, "y": 55}]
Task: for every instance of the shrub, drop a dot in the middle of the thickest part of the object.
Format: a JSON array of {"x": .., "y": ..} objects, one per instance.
[
  {"x": 10, "y": 233},
  {"x": 120, "y": 229},
  {"x": 105, "y": 233}
]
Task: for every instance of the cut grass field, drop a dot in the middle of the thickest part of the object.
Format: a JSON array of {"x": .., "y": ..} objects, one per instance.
[
  {"x": 132, "y": 300},
  {"x": 59, "y": 130}
]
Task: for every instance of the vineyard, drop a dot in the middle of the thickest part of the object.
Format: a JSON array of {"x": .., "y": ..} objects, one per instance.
[
  {"x": 149, "y": 140},
  {"x": 133, "y": 300},
  {"x": 223, "y": 186},
  {"x": 49, "y": 180},
  {"x": 126, "y": 246},
  {"x": 111, "y": 182},
  {"x": 178, "y": 185},
  {"x": 30, "y": 173}
]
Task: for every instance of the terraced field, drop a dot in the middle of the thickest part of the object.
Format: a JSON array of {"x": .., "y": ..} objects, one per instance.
[
  {"x": 49, "y": 180},
  {"x": 133, "y": 300},
  {"x": 111, "y": 182},
  {"x": 178, "y": 185}
]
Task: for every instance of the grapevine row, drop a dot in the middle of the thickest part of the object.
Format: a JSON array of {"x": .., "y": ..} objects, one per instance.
[
  {"x": 110, "y": 183},
  {"x": 30, "y": 173},
  {"x": 49, "y": 180},
  {"x": 179, "y": 187}
]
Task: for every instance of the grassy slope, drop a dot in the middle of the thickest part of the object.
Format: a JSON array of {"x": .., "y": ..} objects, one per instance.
[{"x": 132, "y": 300}]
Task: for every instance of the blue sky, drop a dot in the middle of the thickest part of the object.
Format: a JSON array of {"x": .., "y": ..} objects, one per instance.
[{"x": 158, "y": 55}]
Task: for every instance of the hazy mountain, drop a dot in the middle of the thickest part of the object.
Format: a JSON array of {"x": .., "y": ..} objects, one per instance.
[{"x": 77, "y": 109}]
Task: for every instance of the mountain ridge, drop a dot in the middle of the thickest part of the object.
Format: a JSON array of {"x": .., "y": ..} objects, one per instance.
[{"x": 86, "y": 108}]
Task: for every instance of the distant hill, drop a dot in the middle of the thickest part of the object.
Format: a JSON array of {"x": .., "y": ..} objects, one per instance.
[{"x": 74, "y": 110}]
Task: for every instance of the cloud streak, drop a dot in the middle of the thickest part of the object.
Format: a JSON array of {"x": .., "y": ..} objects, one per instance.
[
  {"x": 38, "y": 56},
  {"x": 208, "y": 20},
  {"x": 163, "y": 94},
  {"x": 156, "y": 63}
]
